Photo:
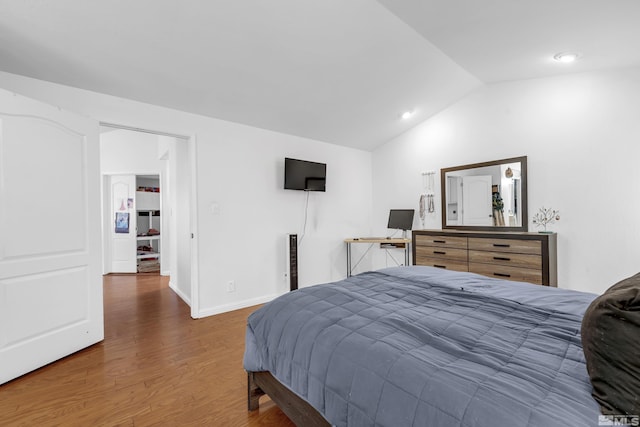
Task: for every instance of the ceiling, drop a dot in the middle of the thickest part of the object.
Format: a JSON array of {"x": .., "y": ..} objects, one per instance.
[{"x": 332, "y": 70}]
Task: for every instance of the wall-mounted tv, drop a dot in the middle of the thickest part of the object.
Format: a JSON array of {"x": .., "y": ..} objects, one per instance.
[{"x": 304, "y": 175}]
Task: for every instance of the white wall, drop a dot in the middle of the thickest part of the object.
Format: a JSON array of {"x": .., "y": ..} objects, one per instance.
[
  {"x": 245, "y": 213},
  {"x": 239, "y": 168},
  {"x": 127, "y": 152},
  {"x": 581, "y": 134},
  {"x": 176, "y": 212}
]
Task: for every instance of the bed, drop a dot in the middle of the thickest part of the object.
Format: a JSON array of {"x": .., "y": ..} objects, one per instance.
[{"x": 416, "y": 346}]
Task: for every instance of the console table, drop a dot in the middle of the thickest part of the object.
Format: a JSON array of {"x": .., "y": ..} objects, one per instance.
[
  {"x": 385, "y": 242},
  {"x": 523, "y": 257}
]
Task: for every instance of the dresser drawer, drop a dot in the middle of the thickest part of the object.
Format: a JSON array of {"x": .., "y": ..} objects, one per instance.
[
  {"x": 507, "y": 272},
  {"x": 442, "y": 263},
  {"x": 506, "y": 258},
  {"x": 441, "y": 241},
  {"x": 506, "y": 245},
  {"x": 454, "y": 255}
]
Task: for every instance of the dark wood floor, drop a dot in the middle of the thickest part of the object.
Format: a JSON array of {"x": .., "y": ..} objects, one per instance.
[{"x": 156, "y": 366}]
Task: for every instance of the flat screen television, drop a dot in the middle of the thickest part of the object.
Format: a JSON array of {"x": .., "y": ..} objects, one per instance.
[
  {"x": 304, "y": 175},
  {"x": 401, "y": 219}
]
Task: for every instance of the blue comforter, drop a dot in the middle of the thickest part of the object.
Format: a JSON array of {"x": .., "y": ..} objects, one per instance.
[{"x": 419, "y": 346}]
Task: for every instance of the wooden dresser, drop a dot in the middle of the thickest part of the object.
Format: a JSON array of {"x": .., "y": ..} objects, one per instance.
[{"x": 523, "y": 257}]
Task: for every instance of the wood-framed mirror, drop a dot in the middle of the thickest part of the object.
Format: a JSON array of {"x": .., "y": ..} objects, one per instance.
[{"x": 487, "y": 196}]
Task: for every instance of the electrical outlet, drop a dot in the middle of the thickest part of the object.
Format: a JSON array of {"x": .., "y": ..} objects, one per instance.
[{"x": 231, "y": 286}]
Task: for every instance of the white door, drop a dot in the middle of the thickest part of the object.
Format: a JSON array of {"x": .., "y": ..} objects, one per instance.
[
  {"x": 50, "y": 250},
  {"x": 477, "y": 204},
  {"x": 122, "y": 224}
]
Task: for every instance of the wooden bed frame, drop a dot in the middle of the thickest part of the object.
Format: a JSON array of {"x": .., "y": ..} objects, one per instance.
[{"x": 298, "y": 410}]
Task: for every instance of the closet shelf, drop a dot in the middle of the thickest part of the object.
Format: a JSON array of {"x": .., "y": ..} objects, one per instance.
[
  {"x": 154, "y": 237},
  {"x": 147, "y": 255}
]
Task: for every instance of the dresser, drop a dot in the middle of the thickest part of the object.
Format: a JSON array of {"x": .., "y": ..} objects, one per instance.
[{"x": 523, "y": 257}]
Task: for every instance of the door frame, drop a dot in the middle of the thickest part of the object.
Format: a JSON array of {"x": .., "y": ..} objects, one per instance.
[
  {"x": 190, "y": 140},
  {"x": 107, "y": 213}
]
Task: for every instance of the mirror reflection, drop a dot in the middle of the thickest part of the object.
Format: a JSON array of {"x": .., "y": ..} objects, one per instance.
[{"x": 485, "y": 195}]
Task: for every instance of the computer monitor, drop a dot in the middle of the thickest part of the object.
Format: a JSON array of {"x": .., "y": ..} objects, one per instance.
[{"x": 401, "y": 219}]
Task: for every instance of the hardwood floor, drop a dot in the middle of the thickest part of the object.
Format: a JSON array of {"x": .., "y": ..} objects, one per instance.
[{"x": 155, "y": 367}]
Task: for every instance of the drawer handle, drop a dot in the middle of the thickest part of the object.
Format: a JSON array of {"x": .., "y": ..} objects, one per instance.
[
  {"x": 439, "y": 241},
  {"x": 501, "y": 258},
  {"x": 501, "y": 274},
  {"x": 440, "y": 266},
  {"x": 501, "y": 245},
  {"x": 439, "y": 252}
]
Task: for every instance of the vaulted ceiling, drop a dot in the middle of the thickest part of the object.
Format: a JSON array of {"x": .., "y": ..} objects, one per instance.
[{"x": 340, "y": 71}]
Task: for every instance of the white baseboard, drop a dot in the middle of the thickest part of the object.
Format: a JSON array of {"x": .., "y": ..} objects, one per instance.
[
  {"x": 235, "y": 306},
  {"x": 181, "y": 294}
]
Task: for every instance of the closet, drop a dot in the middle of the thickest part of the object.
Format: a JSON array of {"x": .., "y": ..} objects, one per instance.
[{"x": 148, "y": 224}]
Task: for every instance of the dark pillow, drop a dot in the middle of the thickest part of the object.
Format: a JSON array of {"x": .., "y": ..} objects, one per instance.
[{"x": 611, "y": 343}]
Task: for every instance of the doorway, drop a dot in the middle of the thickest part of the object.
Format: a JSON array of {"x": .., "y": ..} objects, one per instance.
[{"x": 154, "y": 176}]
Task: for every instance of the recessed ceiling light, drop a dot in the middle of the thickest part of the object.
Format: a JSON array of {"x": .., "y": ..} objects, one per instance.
[
  {"x": 567, "y": 57},
  {"x": 407, "y": 115}
]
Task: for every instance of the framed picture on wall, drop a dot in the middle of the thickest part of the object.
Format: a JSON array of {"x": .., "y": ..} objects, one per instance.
[{"x": 122, "y": 222}]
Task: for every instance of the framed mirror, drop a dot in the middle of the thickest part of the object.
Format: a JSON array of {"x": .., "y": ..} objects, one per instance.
[{"x": 489, "y": 196}]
